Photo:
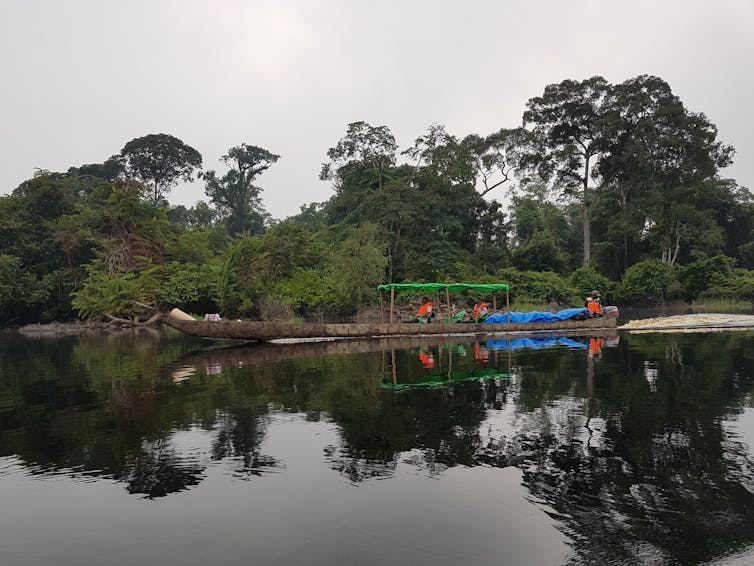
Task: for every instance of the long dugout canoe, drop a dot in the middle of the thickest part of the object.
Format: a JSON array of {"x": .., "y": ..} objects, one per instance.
[{"x": 266, "y": 331}]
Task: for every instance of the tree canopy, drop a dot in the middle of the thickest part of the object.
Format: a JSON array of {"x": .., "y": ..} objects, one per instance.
[
  {"x": 237, "y": 199},
  {"x": 622, "y": 178},
  {"x": 159, "y": 161}
]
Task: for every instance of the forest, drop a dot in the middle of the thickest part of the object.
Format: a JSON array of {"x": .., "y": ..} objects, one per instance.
[{"x": 615, "y": 187}]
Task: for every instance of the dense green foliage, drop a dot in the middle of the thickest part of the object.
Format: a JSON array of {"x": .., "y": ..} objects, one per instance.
[{"x": 614, "y": 187}]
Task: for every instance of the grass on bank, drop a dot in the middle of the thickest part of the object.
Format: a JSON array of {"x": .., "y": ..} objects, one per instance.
[{"x": 721, "y": 306}]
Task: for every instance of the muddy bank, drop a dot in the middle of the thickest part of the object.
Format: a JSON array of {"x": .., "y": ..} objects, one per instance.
[{"x": 73, "y": 328}]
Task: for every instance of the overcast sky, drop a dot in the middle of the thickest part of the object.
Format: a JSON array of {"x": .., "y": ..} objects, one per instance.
[{"x": 82, "y": 78}]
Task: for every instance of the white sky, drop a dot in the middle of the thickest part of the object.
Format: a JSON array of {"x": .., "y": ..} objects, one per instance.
[{"x": 81, "y": 78}]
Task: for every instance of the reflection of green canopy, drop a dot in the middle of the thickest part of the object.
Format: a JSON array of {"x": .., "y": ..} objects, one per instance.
[
  {"x": 451, "y": 287},
  {"x": 440, "y": 380}
]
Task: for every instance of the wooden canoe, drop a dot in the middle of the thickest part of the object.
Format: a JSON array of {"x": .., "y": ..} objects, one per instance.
[{"x": 266, "y": 331}]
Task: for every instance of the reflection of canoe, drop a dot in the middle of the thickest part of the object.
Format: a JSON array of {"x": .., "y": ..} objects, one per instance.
[
  {"x": 266, "y": 353},
  {"x": 265, "y": 331}
]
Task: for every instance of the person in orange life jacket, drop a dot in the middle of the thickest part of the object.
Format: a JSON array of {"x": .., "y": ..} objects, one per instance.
[
  {"x": 481, "y": 354},
  {"x": 481, "y": 311},
  {"x": 427, "y": 359},
  {"x": 425, "y": 311},
  {"x": 593, "y": 304},
  {"x": 595, "y": 347}
]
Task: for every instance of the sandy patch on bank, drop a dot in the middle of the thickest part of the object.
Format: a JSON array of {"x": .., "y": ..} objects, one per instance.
[{"x": 691, "y": 322}]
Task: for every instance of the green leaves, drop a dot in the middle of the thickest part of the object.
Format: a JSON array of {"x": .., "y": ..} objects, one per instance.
[
  {"x": 190, "y": 287},
  {"x": 650, "y": 280},
  {"x": 19, "y": 289},
  {"x": 234, "y": 194},
  {"x": 104, "y": 294},
  {"x": 159, "y": 161}
]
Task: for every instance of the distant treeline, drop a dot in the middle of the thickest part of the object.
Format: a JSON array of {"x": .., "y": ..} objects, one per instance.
[{"x": 613, "y": 187}]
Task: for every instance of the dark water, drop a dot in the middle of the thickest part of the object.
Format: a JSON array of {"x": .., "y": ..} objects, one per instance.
[{"x": 151, "y": 449}]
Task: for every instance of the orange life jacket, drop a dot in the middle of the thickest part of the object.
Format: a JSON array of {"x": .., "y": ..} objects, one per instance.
[
  {"x": 595, "y": 346},
  {"x": 481, "y": 354},
  {"x": 427, "y": 360},
  {"x": 481, "y": 309},
  {"x": 425, "y": 309},
  {"x": 594, "y": 306}
]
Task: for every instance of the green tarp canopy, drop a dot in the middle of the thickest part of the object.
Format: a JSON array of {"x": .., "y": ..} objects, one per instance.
[{"x": 451, "y": 287}]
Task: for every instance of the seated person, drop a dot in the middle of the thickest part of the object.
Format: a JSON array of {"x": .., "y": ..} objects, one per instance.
[
  {"x": 481, "y": 312},
  {"x": 425, "y": 311},
  {"x": 427, "y": 359},
  {"x": 594, "y": 305}
]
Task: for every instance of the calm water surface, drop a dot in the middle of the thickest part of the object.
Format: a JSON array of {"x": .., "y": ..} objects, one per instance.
[{"x": 154, "y": 449}]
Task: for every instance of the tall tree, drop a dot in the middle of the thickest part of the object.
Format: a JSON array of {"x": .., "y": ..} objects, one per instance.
[
  {"x": 364, "y": 144},
  {"x": 482, "y": 162},
  {"x": 495, "y": 158},
  {"x": 159, "y": 161},
  {"x": 234, "y": 194},
  {"x": 667, "y": 158},
  {"x": 568, "y": 127}
]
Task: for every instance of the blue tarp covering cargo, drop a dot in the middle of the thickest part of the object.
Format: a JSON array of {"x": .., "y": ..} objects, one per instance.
[{"x": 536, "y": 316}]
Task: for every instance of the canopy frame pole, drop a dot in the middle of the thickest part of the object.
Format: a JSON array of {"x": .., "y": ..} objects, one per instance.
[
  {"x": 382, "y": 310},
  {"x": 447, "y": 300},
  {"x": 392, "y": 303},
  {"x": 392, "y": 363},
  {"x": 508, "y": 308},
  {"x": 450, "y": 362}
]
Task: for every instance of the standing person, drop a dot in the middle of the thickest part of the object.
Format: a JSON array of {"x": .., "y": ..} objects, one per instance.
[
  {"x": 594, "y": 304},
  {"x": 425, "y": 311}
]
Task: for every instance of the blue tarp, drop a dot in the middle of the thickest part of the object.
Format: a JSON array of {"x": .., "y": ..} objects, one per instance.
[
  {"x": 535, "y": 316},
  {"x": 521, "y": 343}
]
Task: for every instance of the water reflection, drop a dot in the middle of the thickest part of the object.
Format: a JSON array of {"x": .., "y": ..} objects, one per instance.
[{"x": 632, "y": 446}]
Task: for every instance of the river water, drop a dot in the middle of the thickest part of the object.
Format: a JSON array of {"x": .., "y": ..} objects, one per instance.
[{"x": 151, "y": 448}]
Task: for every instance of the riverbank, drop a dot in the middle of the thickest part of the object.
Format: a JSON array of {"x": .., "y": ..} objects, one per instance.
[{"x": 71, "y": 328}]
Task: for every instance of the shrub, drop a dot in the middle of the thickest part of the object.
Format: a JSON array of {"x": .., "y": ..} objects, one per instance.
[
  {"x": 739, "y": 286},
  {"x": 540, "y": 253},
  {"x": 649, "y": 280},
  {"x": 356, "y": 267},
  {"x": 190, "y": 287},
  {"x": 19, "y": 289},
  {"x": 106, "y": 294},
  {"x": 585, "y": 280},
  {"x": 706, "y": 274},
  {"x": 247, "y": 274},
  {"x": 539, "y": 287},
  {"x": 307, "y": 289}
]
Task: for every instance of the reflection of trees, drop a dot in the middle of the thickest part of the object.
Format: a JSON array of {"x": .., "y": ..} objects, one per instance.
[
  {"x": 631, "y": 457},
  {"x": 634, "y": 463},
  {"x": 106, "y": 407},
  {"x": 239, "y": 433},
  {"x": 442, "y": 424},
  {"x": 158, "y": 471}
]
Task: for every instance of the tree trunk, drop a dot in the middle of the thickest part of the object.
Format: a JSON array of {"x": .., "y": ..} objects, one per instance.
[
  {"x": 587, "y": 235},
  {"x": 677, "y": 248},
  {"x": 587, "y": 210}
]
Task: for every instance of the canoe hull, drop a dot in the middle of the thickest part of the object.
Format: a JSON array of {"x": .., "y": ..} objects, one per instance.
[{"x": 266, "y": 331}]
